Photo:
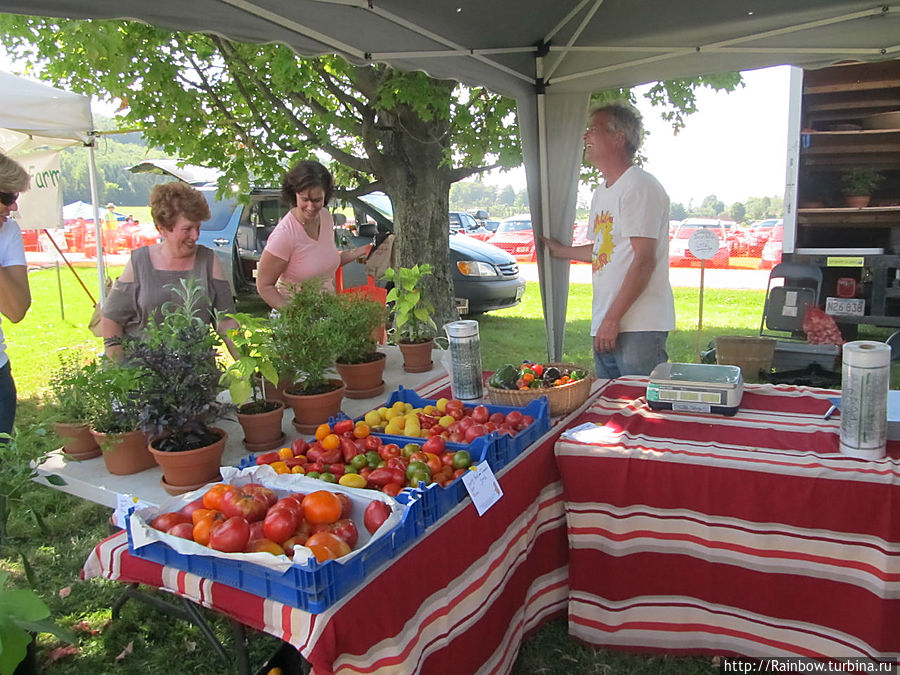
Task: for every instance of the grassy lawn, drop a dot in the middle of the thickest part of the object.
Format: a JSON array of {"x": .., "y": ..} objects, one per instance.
[{"x": 142, "y": 640}]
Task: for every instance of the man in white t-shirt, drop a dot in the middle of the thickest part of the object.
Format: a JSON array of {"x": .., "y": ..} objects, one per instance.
[
  {"x": 15, "y": 295},
  {"x": 633, "y": 307}
]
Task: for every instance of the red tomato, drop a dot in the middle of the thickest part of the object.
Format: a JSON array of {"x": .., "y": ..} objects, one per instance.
[
  {"x": 188, "y": 509},
  {"x": 299, "y": 446},
  {"x": 280, "y": 524},
  {"x": 257, "y": 489},
  {"x": 474, "y": 432},
  {"x": 256, "y": 531},
  {"x": 342, "y": 426},
  {"x": 454, "y": 404},
  {"x": 389, "y": 450},
  {"x": 344, "y": 528},
  {"x": 251, "y": 507},
  {"x": 435, "y": 445},
  {"x": 371, "y": 443},
  {"x": 231, "y": 536},
  {"x": 267, "y": 458},
  {"x": 526, "y": 420},
  {"x": 392, "y": 489},
  {"x": 514, "y": 418},
  {"x": 375, "y": 514},
  {"x": 289, "y": 504},
  {"x": 183, "y": 530},
  {"x": 433, "y": 462},
  {"x": 497, "y": 418},
  {"x": 480, "y": 414},
  {"x": 166, "y": 521}
]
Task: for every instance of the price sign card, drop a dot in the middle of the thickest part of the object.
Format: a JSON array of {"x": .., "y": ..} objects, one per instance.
[
  {"x": 123, "y": 504},
  {"x": 482, "y": 486}
]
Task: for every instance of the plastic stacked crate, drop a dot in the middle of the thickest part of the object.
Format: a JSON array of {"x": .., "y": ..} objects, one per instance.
[
  {"x": 311, "y": 586},
  {"x": 497, "y": 450}
]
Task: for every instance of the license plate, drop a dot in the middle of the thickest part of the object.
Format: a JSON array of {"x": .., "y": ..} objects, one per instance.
[
  {"x": 519, "y": 291},
  {"x": 845, "y": 306}
]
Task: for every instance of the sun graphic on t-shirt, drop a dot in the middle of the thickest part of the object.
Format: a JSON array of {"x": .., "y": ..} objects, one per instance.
[{"x": 603, "y": 246}]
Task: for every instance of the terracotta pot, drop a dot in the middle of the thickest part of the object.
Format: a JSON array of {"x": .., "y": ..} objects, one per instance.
[
  {"x": 271, "y": 393},
  {"x": 262, "y": 431},
  {"x": 857, "y": 201},
  {"x": 189, "y": 468},
  {"x": 363, "y": 380},
  {"x": 125, "y": 453},
  {"x": 311, "y": 411},
  {"x": 416, "y": 356},
  {"x": 78, "y": 443}
]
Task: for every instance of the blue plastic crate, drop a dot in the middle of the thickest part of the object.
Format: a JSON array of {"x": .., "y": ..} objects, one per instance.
[
  {"x": 503, "y": 448},
  {"x": 312, "y": 586}
]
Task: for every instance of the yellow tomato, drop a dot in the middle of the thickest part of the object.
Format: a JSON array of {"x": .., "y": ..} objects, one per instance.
[
  {"x": 373, "y": 418},
  {"x": 352, "y": 480},
  {"x": 446, "y": 421},
  {"x": 322, "y": 431},
  {"x": 298, "y": 469},
  {"x": 280, "y": 467},
  {"x": 285, "y": 453},
  {"x": 441, "y": 404}
]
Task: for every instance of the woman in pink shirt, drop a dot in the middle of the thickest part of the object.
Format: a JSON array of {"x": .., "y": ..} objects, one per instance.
[{"x": 302, "y": 244}]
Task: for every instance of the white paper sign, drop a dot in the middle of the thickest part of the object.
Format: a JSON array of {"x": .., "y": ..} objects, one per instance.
[
  {"x": 483, "y": 487},
  {"x": 125, "y": 502},
  {"x": 704, "y": 243}
]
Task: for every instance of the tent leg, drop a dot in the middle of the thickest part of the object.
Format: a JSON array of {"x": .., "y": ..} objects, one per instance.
[
  {"x": 98, "y": 228},
  {"x": 62, "y": 310}
]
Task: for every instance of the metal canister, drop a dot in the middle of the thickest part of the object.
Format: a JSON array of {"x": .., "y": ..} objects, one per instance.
[{"x": 465, "y": 358}]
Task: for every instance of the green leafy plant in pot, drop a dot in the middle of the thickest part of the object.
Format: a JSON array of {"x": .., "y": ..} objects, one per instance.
[
  {"x": 858, "y": 184},
  {"x": 69, "y": 385},
  {"x": 179, "y": 385},
  {"x": 414, "y": 327},
  {"x": 359, "y": 362},
  {"x": 245, "y": 378},
  {"x": 303, "y": 336},
  {"x": 117, "y": 404}
]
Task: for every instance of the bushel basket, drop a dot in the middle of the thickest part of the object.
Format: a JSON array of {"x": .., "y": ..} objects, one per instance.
[{"x": 563, "y": 399}]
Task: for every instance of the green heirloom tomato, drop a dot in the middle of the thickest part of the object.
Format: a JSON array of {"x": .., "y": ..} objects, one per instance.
[
  {"x": 328, "y": 477},
  {"x": 359, "y": 461},
  {"x": 461, "y": 459},
  {"x": 416, "y": 467},
  {"x": 373, "y": 459},
  {"x": 410, "y": 448},
  {"x": 313, "y": 474},
  {"x": 417, "y": 477}
]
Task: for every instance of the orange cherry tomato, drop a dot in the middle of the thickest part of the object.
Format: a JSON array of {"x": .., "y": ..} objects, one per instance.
[
  {"x": 361, "y": 430},
  {"x": 322, "y": 431},
  {"x": 331, "y": 442}
]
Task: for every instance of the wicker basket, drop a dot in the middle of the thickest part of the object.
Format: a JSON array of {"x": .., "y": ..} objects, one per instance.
[
  {"x": 751, "y": 354},
  {"x": 563, "y": 399}
]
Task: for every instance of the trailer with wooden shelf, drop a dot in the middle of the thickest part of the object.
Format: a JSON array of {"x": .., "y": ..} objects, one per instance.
[{"x": 844, "y": 132}]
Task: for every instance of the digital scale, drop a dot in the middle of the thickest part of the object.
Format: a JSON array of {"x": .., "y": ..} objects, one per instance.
[{"x": 695, "y": 387}]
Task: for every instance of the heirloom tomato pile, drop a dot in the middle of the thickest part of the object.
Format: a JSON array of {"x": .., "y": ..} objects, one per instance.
[{"x": 252, "y": 519}]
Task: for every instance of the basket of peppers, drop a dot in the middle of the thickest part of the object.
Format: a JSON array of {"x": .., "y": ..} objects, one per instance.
[{"x": 565, "y": 385}]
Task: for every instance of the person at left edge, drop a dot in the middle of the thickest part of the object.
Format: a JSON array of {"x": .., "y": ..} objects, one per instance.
[{"x": 15, "y": 295}]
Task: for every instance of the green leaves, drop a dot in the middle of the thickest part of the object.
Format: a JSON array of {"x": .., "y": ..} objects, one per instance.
[
  {"x": 252, "y": 340},
  {"x": 412, "y": 314},
  {"x": 22, "y": 612}
]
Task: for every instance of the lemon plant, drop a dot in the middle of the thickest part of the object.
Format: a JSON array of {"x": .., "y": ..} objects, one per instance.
[{"x": 244, "y": 377}]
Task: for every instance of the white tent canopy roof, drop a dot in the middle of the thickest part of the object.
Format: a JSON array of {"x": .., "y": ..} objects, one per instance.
[
  {"x": 34, "y": 114},
  {"x": 550, "y": 56}
]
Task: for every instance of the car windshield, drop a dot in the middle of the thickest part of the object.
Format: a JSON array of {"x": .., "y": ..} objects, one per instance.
[
  {"x": 685, "y": 231},
  {"x": 381, "y": 203},
  {"x": 514, "y": 225},
  {"x": 220, "y": 211}
]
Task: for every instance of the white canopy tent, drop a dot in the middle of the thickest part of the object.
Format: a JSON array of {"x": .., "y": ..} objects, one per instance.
[
  {"x": 550, "y": 56},
  {"x": 36, "y": 116}
]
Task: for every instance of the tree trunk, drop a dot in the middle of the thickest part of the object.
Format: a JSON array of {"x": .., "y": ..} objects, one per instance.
[{"x": 417, "y": 179}]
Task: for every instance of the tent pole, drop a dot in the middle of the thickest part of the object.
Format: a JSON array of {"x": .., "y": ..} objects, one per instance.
[{"x": 98, "y": 228}]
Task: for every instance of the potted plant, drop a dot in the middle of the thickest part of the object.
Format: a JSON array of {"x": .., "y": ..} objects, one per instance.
[
  {"x": 413, "y": 326},
  {"x": 116, "y": 405},
  {"x": 245, "y": 379},
  {"x": 179, "y": 383},
  {"x": 360, "y": 364},
  {"x": 858, "y": 184},
  {"x": 303, "y": 336},
  {"x": 68, "y": 387}
]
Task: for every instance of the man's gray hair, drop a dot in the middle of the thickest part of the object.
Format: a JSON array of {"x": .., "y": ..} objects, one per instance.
[
  {"x": 625, "y": 118},
  {"x": 13, "y": 178}
]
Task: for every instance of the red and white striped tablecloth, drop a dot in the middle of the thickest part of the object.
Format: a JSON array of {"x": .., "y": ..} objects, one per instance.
[
  {"x": 459, "y": 601},
  {"x": 748, "y": 534}
]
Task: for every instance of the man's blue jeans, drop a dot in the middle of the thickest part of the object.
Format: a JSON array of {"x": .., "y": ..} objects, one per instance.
[{"x": 635, "y": 354}]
